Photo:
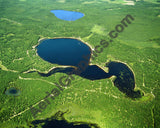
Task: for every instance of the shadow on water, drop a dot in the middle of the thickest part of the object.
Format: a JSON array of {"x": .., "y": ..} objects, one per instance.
[
  {"x": 124, "y": 80},
  {"x": 58, "y": 121}
]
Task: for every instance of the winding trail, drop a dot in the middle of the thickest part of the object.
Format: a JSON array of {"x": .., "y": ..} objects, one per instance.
[
  {"x": 17, "y": 59},
  {"x": 5, "y": 68},
  {"x": 37, "y": 79},
  {"x": 28, "y": 108},
  {"x": 11, "y": 21}
]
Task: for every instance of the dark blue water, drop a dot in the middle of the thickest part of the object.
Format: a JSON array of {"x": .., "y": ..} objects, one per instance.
[
  {"x": 12, "y": 92},
  {"x": 64, "y": 51},
  {"x": 67, "y": 15},
  {"x": 72, "y": 52},
  {"x": 58, "y": 121},
  {"x": 124, "y": 80}
]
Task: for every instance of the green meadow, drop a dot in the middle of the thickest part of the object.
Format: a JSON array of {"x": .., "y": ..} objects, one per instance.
[{"x": 24, "y": 22}]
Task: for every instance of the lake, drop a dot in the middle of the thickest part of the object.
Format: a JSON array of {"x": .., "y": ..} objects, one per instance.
[
  {"x": 58, "y": 121},
  {"x": 64, "y": 51},
  {"x": 67, "y": 15},
  {"x": 71, "y": 52}
]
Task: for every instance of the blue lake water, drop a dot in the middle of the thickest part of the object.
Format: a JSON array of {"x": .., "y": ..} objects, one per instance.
[
  {"x": 64, "y": 51},
  {"x": 67, "y": 15}
]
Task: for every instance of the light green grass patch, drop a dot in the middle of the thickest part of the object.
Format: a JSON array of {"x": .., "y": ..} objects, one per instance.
[
  {"x": 98, "y": 30},
  {"x": 61, "y": 1},
  {"x": 141, "y": 44},
  {"x": 90, "y": 2}
]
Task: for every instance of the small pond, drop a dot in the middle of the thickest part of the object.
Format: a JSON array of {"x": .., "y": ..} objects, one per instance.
[
  {"x": 67, "y": 15},
  {"x": 12, "y": 92}
]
